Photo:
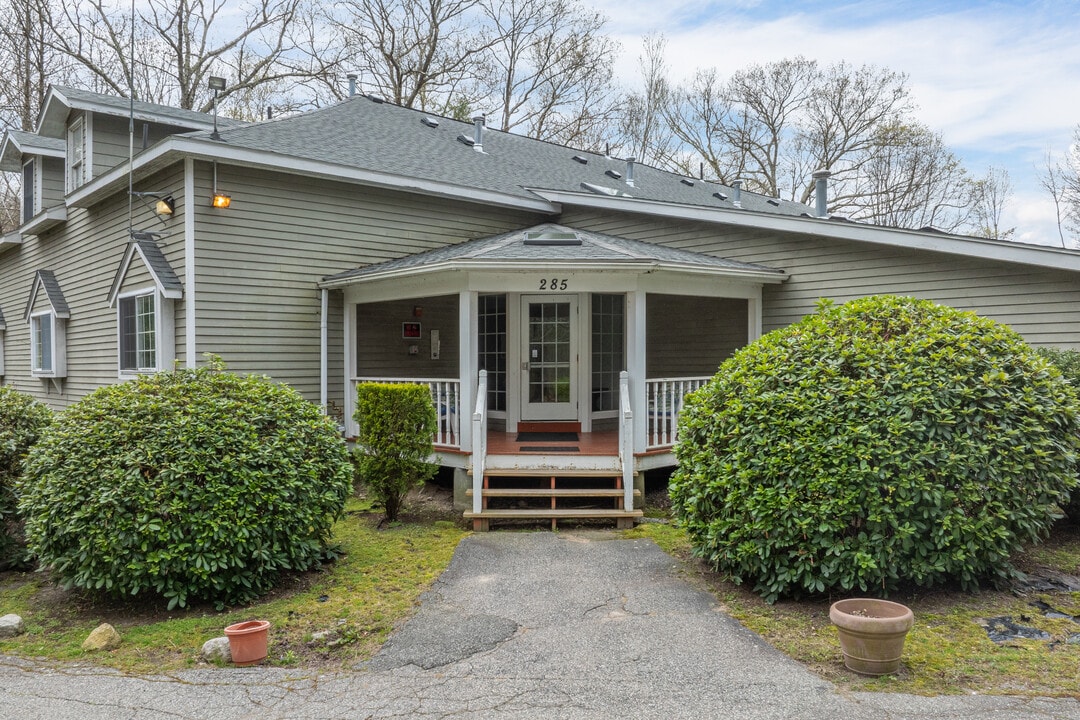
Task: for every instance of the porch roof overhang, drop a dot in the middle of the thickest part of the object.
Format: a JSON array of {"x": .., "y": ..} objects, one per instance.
[{"x": 549, "y": 246}]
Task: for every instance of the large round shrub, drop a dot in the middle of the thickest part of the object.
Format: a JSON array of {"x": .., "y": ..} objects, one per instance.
[
  {"x": 22, "y": 419},
  {"x": 884, "y": 441},
  {"x": 195, "y": 484}
]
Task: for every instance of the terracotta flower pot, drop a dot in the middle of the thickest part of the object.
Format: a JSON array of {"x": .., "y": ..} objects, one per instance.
[
  {"x": 248, "y": 641},
  {"x": 872, "y": 633}
]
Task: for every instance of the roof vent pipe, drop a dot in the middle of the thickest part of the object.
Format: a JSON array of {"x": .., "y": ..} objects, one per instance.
[
  {"x": 821, "y": 192},
  {"x": 736, "y": 193},
  {"x": 478, "y": 133},
  {"x": 352, "y": 84},
  {"x": 630, "y": 171}
]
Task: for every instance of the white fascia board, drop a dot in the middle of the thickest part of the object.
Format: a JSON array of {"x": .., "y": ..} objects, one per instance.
[
  {"x": 48, "y": 218},
  {"x": 161, "y": 153},
  {"x": 10, "y": 240},
  {"x": 636, "y": 267},
  {"x": 1037, "y": 255}
]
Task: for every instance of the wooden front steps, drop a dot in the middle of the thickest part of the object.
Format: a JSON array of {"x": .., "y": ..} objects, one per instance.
[{"x": 533, "y": 494}]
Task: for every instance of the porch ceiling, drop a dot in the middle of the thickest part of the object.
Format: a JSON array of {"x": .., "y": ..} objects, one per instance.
[{"x": 548, "y": 245}]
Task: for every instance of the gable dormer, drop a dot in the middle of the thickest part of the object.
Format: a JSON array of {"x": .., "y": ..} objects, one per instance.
[{"x": 40, "y": 164}]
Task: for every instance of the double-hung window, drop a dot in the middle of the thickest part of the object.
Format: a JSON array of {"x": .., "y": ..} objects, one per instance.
[
  {"x": 137, "y": 320},
  {"x": 43, "y": 343},
  {"x": 76, "y": 154}
]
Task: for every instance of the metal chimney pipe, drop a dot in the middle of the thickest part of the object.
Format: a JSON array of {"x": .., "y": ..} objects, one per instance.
[
  {"x": 630, "y": 171},
  {"x": 736, "y": 193},
  {"x": 821, "y": 192},
  {"x": 478, "y": 133},
  {"x": 352, "y": 84}
]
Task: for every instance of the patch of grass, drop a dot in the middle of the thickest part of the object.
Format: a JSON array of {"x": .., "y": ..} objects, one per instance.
[
  {"x": 947, "y": 651},
  {"x": 359, "y": 598}
]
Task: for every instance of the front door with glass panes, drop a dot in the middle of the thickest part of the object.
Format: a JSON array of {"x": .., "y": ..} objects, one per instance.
[{"x": 549, "y": 357}]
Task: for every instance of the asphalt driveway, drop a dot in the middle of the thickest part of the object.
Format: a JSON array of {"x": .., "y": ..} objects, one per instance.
[{"x": 521, "y": 625}]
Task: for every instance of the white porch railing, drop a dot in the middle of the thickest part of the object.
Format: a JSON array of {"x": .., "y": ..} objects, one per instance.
[
  {"x": 665, "y": 399},
  {"x": 626, "y": 440},
  {"x": 446, "y": 395},
  {"x": 479, "y": 442}
]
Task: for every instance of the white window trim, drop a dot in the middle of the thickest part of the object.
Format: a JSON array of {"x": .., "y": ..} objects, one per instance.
[
  {"x": 76, "y": 177},
  {"x": 164, "y": 332},
  {"x": 59, "y": 345},
  {"x": 3, "y": 331},
  {"x": 37, "y": 161}
]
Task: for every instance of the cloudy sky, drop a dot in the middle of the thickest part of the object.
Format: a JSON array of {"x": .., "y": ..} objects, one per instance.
[{"x": 999, "y": 80}]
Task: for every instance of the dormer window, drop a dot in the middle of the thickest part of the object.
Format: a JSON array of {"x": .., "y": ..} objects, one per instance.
[
  {"x": 47, "y": 314},
  {"x": 76, "y": 154},
  {"x": 29, "y": 190}
]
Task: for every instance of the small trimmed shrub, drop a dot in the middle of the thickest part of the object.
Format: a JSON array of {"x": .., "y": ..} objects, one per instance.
[
  {"x": 885, "y": 441},
  {"x": 22, "y": 420},
  {"x": 1068, "y": 361},
  {"x": 189, "y": 485},
  {"x": 397, "y": 425}
]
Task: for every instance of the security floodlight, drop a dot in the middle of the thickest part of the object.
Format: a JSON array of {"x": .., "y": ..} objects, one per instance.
[{"x": 217, "y": 84}]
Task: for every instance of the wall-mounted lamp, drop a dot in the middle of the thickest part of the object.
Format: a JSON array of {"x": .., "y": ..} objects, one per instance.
[
  {"x": 220, "y": 199},
  {"x": 165, "y": 206}
]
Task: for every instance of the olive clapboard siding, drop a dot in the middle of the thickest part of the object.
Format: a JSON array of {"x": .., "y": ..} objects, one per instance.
[
  {"x": 84, "y": 254},
  {"x": 258, "y": 262},
  {"x": 689, "y": 336},
  {"x": 112, "y": 141},
  {"x": 381, "y": 351},
  {"x": 1043, "y": 304},
  {"x": 52, "y": 181}
]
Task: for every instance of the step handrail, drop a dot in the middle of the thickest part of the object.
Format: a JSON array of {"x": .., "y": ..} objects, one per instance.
[
  {"x": 626, "y": 440},
  {"x": 479, "y": 441}
]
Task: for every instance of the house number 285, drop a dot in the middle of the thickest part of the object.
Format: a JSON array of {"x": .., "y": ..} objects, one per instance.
[{"x": 553, "y": 284}]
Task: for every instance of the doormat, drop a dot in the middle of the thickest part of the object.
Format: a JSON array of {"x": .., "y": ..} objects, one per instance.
[
  {"x": 549, "y": 448},
  {"x": 546, "y": 437}
]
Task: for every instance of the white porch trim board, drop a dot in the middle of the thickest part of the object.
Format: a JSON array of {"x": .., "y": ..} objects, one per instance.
[{"x": 191, "y": 356}]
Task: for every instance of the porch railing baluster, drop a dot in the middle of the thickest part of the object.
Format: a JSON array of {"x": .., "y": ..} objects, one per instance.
[
  {"x": 665, "y": 397},
  {"x": 445, "y": 394}
]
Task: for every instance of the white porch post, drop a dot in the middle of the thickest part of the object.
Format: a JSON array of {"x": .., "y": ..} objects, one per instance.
[
  {"x": 635, "y": 364},
  {"x": 467, "y": 307},
  {"x": 323, "y": 364},
  {"x": 349, "y": 357},
  {"x": 753, "y": 318}
]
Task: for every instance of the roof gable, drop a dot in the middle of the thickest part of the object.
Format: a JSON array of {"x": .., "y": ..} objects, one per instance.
[
  {"x": 61, "y": 100},
  {"x": 148, "y": 252},
  {"x": 17, "y": 143},
  {"x": 551, "y": 245},
  {"x": 45, "y": 281}
]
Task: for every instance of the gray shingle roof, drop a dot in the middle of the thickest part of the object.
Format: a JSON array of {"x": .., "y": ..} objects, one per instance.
[
  {"x": 113, "y": 105},
  {"x": 516, "y": 246},
  {"x": 165, "y": 277},
  {"x": 382, "y": 137},
  {"x": 46, "y": 280},
  {"x": 17, "y": 143}
]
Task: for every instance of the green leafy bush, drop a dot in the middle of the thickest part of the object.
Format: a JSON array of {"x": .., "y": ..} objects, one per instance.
[
  {"x": 884, "y": 441},
  {"x": 22, "y": 419},
  {"x": 194, "y": 484},
  {"x": 397, "y": 426},
  {"x": 1068, "y": 361}
]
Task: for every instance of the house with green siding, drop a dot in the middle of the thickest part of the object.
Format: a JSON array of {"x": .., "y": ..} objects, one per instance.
[{"x": 558, "y": 303}]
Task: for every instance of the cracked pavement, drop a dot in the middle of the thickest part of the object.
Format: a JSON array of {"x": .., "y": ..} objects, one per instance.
[{"x": 521, "y": 625}]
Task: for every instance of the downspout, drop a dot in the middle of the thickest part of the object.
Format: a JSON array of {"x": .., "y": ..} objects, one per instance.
[{"x": 323, "y": 354}]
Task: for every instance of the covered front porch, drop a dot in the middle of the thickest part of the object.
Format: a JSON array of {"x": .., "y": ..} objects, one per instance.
[{"x": 557, "y": 359}]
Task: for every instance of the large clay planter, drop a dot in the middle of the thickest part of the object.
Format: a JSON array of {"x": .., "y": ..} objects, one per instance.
[
  {"x": 872, "y": 633},
  {"x": 248, "y": 641}
]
